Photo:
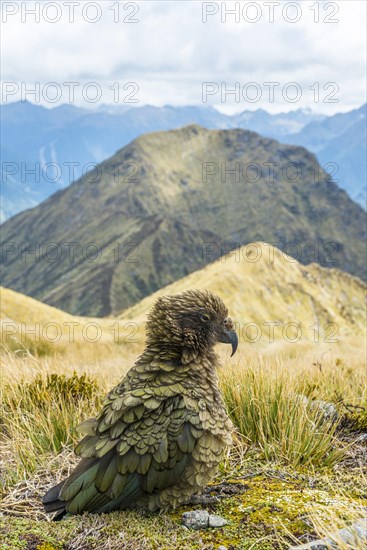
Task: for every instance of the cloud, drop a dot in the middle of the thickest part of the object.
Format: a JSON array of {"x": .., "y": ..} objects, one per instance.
[{"x": 170, "y": 52}]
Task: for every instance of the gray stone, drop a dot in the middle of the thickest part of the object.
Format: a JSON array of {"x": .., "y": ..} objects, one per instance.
[
  {"x": 356, "y": 532},
  {"x": 197, "y": 519},
  {"x": 350, "y": 536},
  {"x": 221, "y": 547},
  {"x": 328, "y": 410},
  {"x": 314, "y": 545},
  {"x": 217, "y": 521}
]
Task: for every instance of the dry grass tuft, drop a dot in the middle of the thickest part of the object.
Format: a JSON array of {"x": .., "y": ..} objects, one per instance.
[
  {"x": 273, "y": 406},
  {"x": 23, "y": 499}
]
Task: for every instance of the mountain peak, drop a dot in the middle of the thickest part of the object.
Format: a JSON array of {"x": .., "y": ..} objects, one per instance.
[{"x": 172, "y": 202}]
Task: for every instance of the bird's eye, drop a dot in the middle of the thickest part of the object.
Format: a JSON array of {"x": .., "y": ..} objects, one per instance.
[{"x": 205, "y": 317}]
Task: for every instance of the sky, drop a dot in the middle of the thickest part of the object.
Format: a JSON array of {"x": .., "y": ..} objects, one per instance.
[{"x": 234, "y": 56}]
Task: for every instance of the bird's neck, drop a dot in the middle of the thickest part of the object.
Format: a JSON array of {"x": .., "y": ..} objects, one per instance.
[
  {"x": 158, "y": 357},
  {"x": 198, "y": 371}
]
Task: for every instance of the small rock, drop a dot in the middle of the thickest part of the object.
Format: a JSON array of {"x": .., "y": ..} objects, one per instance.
[
  {"x": 197, "y": 519},
  {"x": 349, "y": 536},
  {"x": 221, "y": 547},
  {"x": 357, "y": 532},
  {"x": 217, "y": 521},
  {"x": 315, "y": 545},
  {"x": 328, "y": 410}
]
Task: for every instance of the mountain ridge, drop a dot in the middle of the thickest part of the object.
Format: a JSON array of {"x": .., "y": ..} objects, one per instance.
[
  {"x": 273, "y": 287},
  {"x": 65, "y": 141},
  {"x": 273, "y": 301},
  {"x": 173, "y": 217}
]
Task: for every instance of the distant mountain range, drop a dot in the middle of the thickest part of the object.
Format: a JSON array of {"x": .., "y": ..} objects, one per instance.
[
  {"x": 44, "y": 150},
  {"x": 170, "y": 203},
  {"x": 340, "y": 140}
]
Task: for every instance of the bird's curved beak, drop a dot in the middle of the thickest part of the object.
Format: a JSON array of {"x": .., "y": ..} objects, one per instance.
[{"x": 228, "y": 335}]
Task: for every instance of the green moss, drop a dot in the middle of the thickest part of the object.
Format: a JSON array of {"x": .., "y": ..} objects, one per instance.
[
  {"x": 271, "y": 509},
  {"x": 356, "y": 420},
  {"x": 273, "y": 506},
  {"x": 22, "y": 534}
]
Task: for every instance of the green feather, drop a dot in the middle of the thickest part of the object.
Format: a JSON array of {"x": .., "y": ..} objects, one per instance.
[
  {"x": 86, "y": 447},
  {"x": 144, "y": 464},
  {"x": 150, "y": 479},
  {"x": 106, "y": 474},
  {"x": 128, "y": 462},
  {"x": 87, "y": 427},
  {"x": 81, "y": 500},
  {"x": 139, "y": 411},
  {"x": 117, "y": 429},
  {"x": 152, "y": 403},
  {"x": 128, "y": 416},
  {"x": 109, "y": 444},
  {"x": 81, "y": 481},
  {"x": 185, "y": 440},
  {"x": 123, "y": 447},
  {"x": 101, "y": 443},
  {"x": 117, "y": 486}
]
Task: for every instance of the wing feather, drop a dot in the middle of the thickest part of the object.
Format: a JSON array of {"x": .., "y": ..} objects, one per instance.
[{"x": 139, "y": 444}]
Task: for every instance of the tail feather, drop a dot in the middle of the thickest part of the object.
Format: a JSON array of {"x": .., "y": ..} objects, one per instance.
[
  {"x": 51, "y": 500},
  {"x": 81, "y": 491},
  {"x": 60, "y": 516},
  {"x": 53, "y": 493}
]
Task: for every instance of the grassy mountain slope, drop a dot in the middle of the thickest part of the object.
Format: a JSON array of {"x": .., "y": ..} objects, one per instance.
[
  {"x": 28, "y": 326},
  {"x": 133, "y": 234},
  {"x": 277, "y": 289},
  {"x": 307, "y": 304},
  {"x": 18, "y": 308}
]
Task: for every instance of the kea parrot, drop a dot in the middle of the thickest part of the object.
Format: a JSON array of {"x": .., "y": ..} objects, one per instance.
[{"x": 163, "y": 429}]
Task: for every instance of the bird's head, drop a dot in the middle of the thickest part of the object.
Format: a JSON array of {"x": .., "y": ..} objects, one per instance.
[{"x": 191, "y": 323}]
